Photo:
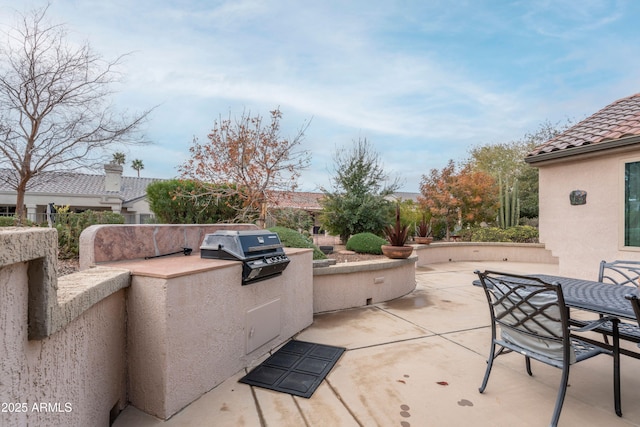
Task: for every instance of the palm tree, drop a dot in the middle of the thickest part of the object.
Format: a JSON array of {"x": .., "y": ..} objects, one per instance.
[
  {"x": 118, "y": 158},
  {"x": 137, "y": 165}
]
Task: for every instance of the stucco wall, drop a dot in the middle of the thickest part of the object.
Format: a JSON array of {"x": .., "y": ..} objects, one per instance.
[
  {"x": 77, "y": 373},
  {"x": 188, "y": 333},
  {"x": 483, "y": 251},
  {"x": 581, "y": 236},
  {"x": 356, "y": 284}
]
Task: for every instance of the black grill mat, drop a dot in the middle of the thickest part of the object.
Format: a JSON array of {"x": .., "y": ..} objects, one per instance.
[{"x": 297, "y": 368}]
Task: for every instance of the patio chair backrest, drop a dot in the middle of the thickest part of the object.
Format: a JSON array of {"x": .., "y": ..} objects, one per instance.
[
  {"x": 530, "y": 312},
  {"x": 634, "y": 297},
  {"x": 620, "y": 272}
]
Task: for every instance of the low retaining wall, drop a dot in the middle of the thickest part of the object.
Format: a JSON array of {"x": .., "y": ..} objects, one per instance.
[
  {"x": 355, "y": 284},
  {"x": 483, "y": 251}
]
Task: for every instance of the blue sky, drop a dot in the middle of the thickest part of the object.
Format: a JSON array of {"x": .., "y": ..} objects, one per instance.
[{"x": 423, "y": 80}]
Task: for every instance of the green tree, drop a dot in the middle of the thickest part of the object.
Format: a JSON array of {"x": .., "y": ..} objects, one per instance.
[
  {"x": 187, "y": 202},
  {"x": 357, "y": 203},
  {"x": 137, "y": 165},
  {"x": 506, "y": 160},
  {"x": 119, "y": 158},
  {"x": 54, "y": 104}
]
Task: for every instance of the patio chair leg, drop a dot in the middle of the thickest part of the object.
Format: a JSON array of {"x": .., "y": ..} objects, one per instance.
[
  {"x": 561, "y": 394},
  {"x": 616, "y": 368},
  {"x": 492, "y": 356},
  {"x": 527, "y": 362}
]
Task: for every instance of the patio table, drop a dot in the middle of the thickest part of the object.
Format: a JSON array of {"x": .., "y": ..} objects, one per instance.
[
  {"x": 603, "y": 298},
  {"x": 596, "y": 297}
]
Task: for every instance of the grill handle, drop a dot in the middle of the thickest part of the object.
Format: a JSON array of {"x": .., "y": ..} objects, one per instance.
[
  {"x": 264, "y": 247},
  {"x": 185, "y": 251}
]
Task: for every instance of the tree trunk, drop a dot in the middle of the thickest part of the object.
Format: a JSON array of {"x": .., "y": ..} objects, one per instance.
[{"x": 21, "y": 213}]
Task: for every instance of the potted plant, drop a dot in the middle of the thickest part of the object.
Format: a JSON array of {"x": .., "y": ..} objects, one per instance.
[
  {"x": 397, "y": 237},
  {"x": 423, "y": 231}
]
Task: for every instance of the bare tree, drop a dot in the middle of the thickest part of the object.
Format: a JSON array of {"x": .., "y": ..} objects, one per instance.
[
  {"x": 54, "y": 111},
  {"x": 248, "y": 159}
]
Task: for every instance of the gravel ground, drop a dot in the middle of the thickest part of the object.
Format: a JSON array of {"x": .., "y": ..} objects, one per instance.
[{"x": 68, "y": 266}]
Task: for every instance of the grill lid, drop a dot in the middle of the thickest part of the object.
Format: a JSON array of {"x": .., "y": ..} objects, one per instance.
[
  {"x": 260, "y": 251},
  {"x": 242, "y": 244}
]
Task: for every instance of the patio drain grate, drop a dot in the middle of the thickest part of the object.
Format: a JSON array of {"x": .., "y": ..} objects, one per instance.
[{"x": 297, "y": 368}]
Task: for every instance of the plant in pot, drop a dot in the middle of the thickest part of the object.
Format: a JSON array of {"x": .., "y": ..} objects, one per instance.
[
  {"x": 397, "y": 236},
  {"x": 423, "y": 232}
]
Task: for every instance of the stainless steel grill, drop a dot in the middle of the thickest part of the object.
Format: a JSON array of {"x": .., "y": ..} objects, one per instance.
[{"x": 260, "y": 251}]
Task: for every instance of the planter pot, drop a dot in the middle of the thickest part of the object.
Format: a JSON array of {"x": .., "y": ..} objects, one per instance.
[
  {"x": 423, "y": 240},
  {"x": 396, "y": 252}
]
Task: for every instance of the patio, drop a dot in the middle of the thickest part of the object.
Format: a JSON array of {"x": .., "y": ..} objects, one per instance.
[{"x": 418, "y": 361}]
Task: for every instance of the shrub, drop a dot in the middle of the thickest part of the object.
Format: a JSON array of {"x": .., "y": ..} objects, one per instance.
[
  {"x": 187, "y": 202},
  {"x": 292, "y": 239},
  {"x": 70, "y": 225},
  {"x": 8, "y": 221},
  {"x": 294, "y": 219},
  {"x": 366, "y": 243},
  {"x": 517, "y": 234},
  {"x": 12, "y": 221}
]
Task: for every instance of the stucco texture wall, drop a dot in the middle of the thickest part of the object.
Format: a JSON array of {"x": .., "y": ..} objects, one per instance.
[
  {"x": 189, "y": 333},
  {"x": 583, "y": 235},
  {"x": 73, "y": 377}
]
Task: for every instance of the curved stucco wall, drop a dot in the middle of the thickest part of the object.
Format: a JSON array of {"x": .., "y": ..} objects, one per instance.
[
  {"x": 360, "y": 283},
  {"x": 483, "y": 251}
]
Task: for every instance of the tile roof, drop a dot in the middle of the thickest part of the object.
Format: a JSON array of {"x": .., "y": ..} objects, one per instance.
[
  {"x": 301, "y": 200},
  {"x": 615, "y": 121},
  {"x": 82, "y": 184}
]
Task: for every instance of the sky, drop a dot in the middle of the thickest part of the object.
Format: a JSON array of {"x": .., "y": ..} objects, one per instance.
[{"x": 422, "y": 80}]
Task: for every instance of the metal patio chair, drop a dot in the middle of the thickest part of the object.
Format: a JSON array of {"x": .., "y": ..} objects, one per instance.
[
  {"x": 625, "y": 273},
  {"x": 619, "y": 272},
  {"x": 534, "y": 321}
]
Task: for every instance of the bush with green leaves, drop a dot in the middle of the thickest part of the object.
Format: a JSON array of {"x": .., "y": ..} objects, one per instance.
[
  {"x": 517, "y": 234},
  {"x": 179, "y": 201},
  {"x": 366, "y": 243},
  {"x": 292, "y": 239},
  {"x": 8, "y": 221},
  {"x": 70, "y": 225},
  {"x": 295, "y": 219}
]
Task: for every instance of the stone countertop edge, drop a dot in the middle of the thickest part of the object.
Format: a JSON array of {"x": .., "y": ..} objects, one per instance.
[{"x": 173, "y": 266}]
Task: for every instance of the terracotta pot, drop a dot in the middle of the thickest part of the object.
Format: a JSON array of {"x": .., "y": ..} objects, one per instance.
[
  {"x": 397, "y": 252},
  {"x": 423, "y": 240}
]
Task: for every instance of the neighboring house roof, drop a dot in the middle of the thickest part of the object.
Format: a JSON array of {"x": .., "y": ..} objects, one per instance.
[
  {"x": 82, "y": 184},
  {"x": 405, "y": 196},
  {"x": 616, "y": 125},
  {"x": 133, "y": 188},
  {"x": 302, "y": 200},
  {"x": 311, "y": 201}
]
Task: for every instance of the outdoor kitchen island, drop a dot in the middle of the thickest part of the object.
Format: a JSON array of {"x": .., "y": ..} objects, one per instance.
[{"x": 191, "y": 323}]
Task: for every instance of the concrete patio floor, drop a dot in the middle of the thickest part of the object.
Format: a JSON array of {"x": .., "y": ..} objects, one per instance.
[{"x": 418, "y": 361}]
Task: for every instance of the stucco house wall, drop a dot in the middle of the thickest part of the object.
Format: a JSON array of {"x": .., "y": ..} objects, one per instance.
[
  {"x": 590, "y": 156},
  {"x": 583, "y": 235}
]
